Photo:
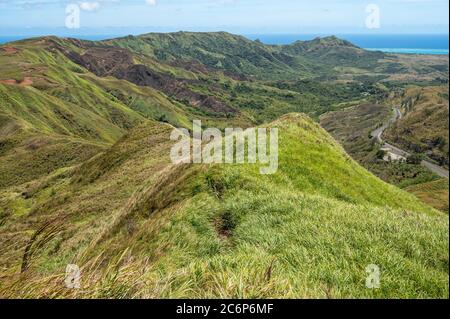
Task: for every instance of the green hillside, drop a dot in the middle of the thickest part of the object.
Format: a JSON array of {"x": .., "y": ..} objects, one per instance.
[
  {"x": 353, "y": 127},
  {"x": 159, "y": 230},
  {"x": 321, "y": 58},
  {"x": 54, "y": 113},
  {"x": 221, "y": 51},
  {"x": 86, "y": 178},
  {"x": 238, "y": 55}
]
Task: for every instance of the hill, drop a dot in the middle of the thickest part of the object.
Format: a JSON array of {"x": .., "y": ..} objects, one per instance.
[
  {"x": 353, "y": 127},
  {"x": 321, "y": 58},
  {"x": 152, "y": 229},
  {"x": 424, "y": 126},
  {"x": 86, "y": 176}
]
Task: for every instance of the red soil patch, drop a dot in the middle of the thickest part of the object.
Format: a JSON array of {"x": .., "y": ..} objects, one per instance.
[
  {"x": 11, "y": 81},
  {"x": 27, "y": 81},
  {"x": 10, "y": 50}
]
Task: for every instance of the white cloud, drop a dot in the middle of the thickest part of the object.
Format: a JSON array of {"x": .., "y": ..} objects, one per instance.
[
  {"x": 151, "y": 2},
  {"x": 89, "y": 6}
]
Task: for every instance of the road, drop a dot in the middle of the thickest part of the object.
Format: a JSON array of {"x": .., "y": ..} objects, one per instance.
[{"x": 378, "y": 133}]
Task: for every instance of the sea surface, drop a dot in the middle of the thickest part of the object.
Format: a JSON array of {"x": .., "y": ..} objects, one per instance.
[{"x": 393, "y": 43}]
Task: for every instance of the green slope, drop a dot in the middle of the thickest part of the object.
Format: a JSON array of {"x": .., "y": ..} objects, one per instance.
[
  {"x": 221, "y": 51},
  {"x": 41, "y": 112},
  {"x": 86, "y": 176},
  {"x": 55, "y": 114},
  {"x": 237, "y": 54},
  {"x": 322, "y": 58},
  {"x": 159, "y": 230}
]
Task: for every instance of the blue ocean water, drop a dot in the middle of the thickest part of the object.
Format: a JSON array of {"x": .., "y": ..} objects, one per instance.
[
  {"x": 410, "y": 51},
  {"x": 395, "y": 43}
]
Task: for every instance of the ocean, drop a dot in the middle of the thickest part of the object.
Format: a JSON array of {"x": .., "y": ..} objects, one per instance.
[{"x": 393, "y": 43}]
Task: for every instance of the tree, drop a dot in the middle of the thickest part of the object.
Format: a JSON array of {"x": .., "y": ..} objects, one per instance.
[
  {"x": 381, "y": 154},
  {"x": 416, "y": 158}
]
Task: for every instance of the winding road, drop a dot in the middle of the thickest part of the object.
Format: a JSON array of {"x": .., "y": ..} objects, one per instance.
[{"x": 442, "y": 172}]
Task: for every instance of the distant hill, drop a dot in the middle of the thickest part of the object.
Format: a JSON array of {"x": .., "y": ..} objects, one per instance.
[
  {"x": 322, "y": 57},
  {"x": 424, "y": 126}
]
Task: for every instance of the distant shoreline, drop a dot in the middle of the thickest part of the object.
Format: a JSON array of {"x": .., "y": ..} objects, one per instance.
[{"x": 411, "y": 51}]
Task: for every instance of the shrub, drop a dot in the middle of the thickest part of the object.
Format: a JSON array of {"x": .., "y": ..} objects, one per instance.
[
  {"x": 380, "y": 154},
  {"x": 415, "y": 158}
]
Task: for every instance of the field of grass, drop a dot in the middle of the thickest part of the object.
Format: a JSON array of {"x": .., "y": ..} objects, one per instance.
[{"x": 194, "y": 231}]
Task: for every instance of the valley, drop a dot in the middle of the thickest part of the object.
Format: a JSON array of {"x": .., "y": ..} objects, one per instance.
[
  {"x": 438, "y": 170},
  {"x": 407, "y": 165}
]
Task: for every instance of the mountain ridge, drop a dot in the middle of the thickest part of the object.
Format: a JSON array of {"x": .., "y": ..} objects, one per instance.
[
  {"x": 86, "y": 176},
  {"x": 221, "y": 214}
]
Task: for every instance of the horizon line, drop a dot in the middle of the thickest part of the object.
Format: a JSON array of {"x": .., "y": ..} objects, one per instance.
[{"x": 68, "y": 31}]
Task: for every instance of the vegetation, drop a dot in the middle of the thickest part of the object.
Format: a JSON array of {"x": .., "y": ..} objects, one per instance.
[
  {"x": 222, "y": 231},
  {"x": 415, "y": 158},
  {"x": 86, "y": 179},
  {"x": 433, "y": 193},
  {"x": 322, "y": 58},
  {"x": 353, "y": 128},
  {"x": 424, "y": 128}
]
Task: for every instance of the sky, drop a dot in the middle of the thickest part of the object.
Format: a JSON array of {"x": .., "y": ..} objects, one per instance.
[{"x": 38, "y": 17}]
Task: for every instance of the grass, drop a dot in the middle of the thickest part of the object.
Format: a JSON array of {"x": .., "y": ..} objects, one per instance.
[
  {"x": 315, "y": 59},
  {"x": 197, "y": 231},
  {"x": 40, "y": 155},
  {"x": 315, "y": 248},
  {"x": 353, "y": 126},
  {"x": 86, "y": 178}
]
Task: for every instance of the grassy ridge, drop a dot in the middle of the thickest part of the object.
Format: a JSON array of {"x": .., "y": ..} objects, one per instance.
[
  {"x": 225, "y": 231},
  {"x": 321, "y": 58},
  {"x": 41, "y": 112},
  {"x": 86, "y": 176},
  {"x": 62, "y": 115}
]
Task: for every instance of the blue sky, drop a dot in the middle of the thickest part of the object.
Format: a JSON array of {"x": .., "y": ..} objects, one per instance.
[{"x": 239, "y": 16}]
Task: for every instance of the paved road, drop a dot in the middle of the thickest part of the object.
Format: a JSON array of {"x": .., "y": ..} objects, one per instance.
[
  {"x": 379, "y": 131},
  {"x": 442, "y": 172}
]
